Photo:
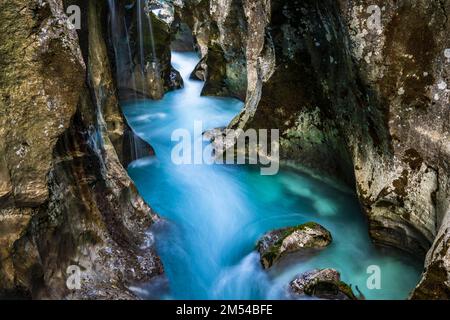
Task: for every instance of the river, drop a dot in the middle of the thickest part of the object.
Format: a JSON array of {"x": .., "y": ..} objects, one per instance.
[{"x": 214, "y": 214}]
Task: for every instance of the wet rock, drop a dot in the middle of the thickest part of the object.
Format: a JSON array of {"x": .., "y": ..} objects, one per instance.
[
  {"x": 13, "y": 222},
  {"x": 183, "y": 40},
  {"x": 199, "y": 72},
  {"x": 322, "y": 284},
  {"x": 436, "y": 276},
  {"x": 149, "y": 73},
  {"x": 41, "y": 77},
  {"x": 364, "y": 103},
  {"x": 68, "y": 201},
  {"x": 219, "y": 29},
  {"x": 278, "y": 243},
  {"x": 101, "y": 78}
]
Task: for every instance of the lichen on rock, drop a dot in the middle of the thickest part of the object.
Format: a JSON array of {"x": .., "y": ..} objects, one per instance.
[
  {"x": 67, "y": 200},
  {"x": 321, "y": 284},
  {"x": 278, "y": 243},
  {"x": 365, "y": 104}
]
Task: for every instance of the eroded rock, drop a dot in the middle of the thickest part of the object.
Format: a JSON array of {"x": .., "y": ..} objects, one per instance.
[
  {"x": 220, "y": 31},
  {"x": 68, "y": 200},
  {"x": 322, "y": 284},
  {"x": 278, "y": 243},
  {"x": 199, "y": 72},
  {"x": 144, "y": 68},
  {"x": 364, "y": 103}
]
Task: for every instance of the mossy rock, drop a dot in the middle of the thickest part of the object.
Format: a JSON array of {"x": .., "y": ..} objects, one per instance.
[
  {"x": 278, "y": 243},
  {"x": 322, "y": 284}
]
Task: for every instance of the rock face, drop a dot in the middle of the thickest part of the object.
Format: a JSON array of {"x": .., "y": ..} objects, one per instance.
[
  {"x": 435, "y": 282},
  {"x": 322, "y": 284},
  {"x": 40, "y": 81},
  {"x": 143, "y": 65},
  {"x": 41, "y": 77},
  {"x": 278, "y": 243},
  {"x": 66, "y": 201},
  {"x": 183, "y": 40},
  {"x": 220, "y": 32},
  {"x": 199, "y": 72},
  {"x": 359, "y": 91}
]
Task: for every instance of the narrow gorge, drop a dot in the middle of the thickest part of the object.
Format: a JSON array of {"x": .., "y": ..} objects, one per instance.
[{"x": 94, "y": 95}]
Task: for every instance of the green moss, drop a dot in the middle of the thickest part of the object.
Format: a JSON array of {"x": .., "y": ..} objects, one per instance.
[
  {"x": 347, "y": 290},
  {"x": 273, "y": 252}
]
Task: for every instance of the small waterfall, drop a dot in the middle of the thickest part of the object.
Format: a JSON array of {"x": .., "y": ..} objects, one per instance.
[
  {"x": 130, "y": 59},
  {"x": 133, "y": 145},
  {"x": 152, "y": 39},
  {"x": 141, "y": 35},
  {"x": 136, "y": 65},
  {"x": 115, "y": 39},
  {"x": 120, "y": 40}
]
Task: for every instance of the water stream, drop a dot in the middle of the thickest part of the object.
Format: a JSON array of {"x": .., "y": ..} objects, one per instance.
[{"x": 215, "y": 213}]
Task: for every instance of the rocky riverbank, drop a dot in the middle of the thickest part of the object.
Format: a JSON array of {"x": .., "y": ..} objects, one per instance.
[
  {"x": 278, "y": 243},
  {"x": 358, "y": 89},
  {"x": 66, "y": 199}
]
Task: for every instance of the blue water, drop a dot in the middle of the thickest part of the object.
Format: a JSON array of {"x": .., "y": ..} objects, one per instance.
[{"x": 215, "y": 213}]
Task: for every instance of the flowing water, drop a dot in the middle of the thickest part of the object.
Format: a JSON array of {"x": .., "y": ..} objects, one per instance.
[{"x": 216, "y": 213}]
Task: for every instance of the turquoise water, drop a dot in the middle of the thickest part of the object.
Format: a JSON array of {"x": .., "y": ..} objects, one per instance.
[{"x": 215, "y": 213}]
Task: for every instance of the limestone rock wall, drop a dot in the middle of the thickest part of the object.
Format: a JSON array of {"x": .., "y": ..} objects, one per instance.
[
  {"x": 359, "y": 90},
  {"x": 66, "y": 198},
  {"x": 40, "y": 80},
  {"x": 220, "y": 32},
  {"x": 143, "y": 65},
  {"x": 41, "y": 77},
  {"x": 404, "y": 61}
]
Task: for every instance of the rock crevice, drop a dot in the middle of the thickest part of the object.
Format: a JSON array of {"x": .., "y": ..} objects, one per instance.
[
  {"x": 359, "y": 91},
  {"x": 66, "y": 199}
]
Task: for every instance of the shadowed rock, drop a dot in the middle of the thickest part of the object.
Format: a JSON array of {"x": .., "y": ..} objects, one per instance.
[
  {"x": 69, "y": 200},
  {"x": 199, "y": 72},
  {"x": 322, "y": 284},
  {"x": 368, "y": 105}
]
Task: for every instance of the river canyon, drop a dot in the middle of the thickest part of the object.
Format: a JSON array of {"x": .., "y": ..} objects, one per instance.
[{"x": 357, "y": 89}]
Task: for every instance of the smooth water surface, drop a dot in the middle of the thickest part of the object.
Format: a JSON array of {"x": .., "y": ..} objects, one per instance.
[{"x": 216, "y": 213}]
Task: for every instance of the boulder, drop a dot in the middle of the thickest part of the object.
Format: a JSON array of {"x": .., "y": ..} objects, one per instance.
[
  {"x": 278, "y": 243},
  {"x": 323, "y": 284}
]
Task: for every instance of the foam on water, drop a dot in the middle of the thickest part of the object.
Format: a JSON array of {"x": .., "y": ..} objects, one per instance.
[{"x": 215, "y": 213}]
